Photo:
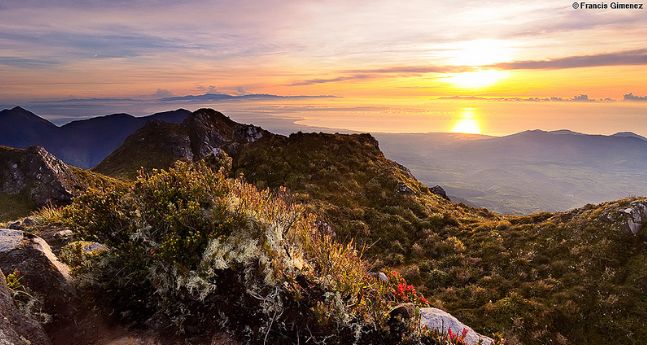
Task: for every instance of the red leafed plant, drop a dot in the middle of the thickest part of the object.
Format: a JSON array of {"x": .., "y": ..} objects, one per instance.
[
  {"x": 455, "y": 338},
  {"x": 404, "y": 292}
]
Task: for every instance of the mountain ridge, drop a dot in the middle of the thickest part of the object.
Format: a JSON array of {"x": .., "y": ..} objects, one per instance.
[
  {"x": 526, "y": 277},
  {"x": 548, "y": 170},
  {"x": 82, "y": 143},
  {"x": 487, "y": 268}
]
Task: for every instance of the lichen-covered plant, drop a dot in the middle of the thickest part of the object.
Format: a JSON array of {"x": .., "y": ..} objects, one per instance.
[{"x": 191, "y": 249}]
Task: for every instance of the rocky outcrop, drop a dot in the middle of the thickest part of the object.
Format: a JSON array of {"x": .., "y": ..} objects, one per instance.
[
  {"x": 35, "y": 174},
  {"x": 40, "y": 271},
  {"x": 635, "y": 216},
  {"x": 16, "y": 328},
  {"x": 209, "y": 130},
  {"x": 438, "y": 190},
  {"x": 630, "y": 217},
  {"x": 441, "y": 321}
]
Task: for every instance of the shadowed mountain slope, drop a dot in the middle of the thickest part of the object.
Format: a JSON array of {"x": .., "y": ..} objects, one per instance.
[
  {"x": 159, "y": 145},
  {"x": 82, "y": 143}
]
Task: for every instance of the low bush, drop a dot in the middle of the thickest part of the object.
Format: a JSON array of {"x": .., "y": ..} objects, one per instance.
[{"x": 190, "y": 249}]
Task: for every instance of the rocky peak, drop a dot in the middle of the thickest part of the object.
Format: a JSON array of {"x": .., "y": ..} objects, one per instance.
[
  {"x": 210, "y": 129},
  {"x": 36, "y": 174},
  {"x": 159, "y": 145}
]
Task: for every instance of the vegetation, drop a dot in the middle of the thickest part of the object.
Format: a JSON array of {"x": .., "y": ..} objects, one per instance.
[
  {"x": 194, "y": 250},
  {"x": 156, "y": 145},
  {"x": 566, "y": 278},
  {"x": 347, "y": 181},
  {"x": 26, "y": 300},
  {"x": 547, "y": 278},
  {"x": 14, "y": 206},
  {"x": 572, "y": 277}
]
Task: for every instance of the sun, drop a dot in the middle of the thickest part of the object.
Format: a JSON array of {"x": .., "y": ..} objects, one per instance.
[
  {"x": 478, "y": 55},
  {"x": 477, "y": 79},
  {"x": 481, "y": 52},
  {"x": 467, "y": 123}
]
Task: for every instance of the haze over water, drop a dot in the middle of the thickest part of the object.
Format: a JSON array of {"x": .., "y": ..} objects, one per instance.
[{"x": 405, "y": 116}]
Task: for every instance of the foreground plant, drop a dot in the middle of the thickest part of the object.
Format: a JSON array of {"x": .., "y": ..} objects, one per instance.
[{"x": 191, "y": 249}]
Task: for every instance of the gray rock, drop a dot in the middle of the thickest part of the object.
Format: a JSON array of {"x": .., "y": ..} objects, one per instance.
[
  {"x": 403, "y": 188},
  {"x": 36, "y": 173},
  {"x": 380, "y": 276},
  {"x": 441, "y": 321},
  {"x": 40, "y": 271},
  {"x": 10, "y": 239},
  {"x": 16, "y": 328},
  {"x": 64, "y": 234},
  {"x": 15, "y": 226},
  {"x": 438, "y": 190},
  {"x": 94, "y": 247},
  {"x": 635, "y": 216}
]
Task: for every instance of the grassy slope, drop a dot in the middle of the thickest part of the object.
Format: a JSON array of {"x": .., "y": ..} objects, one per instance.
[
  {"x": 149, "y": 148},
  {"x": 13, "y": 207},
  {"x": 347, "y": 180},
  {"x": 545, "y": 278}
]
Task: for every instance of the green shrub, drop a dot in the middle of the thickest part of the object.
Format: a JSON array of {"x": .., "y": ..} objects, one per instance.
[{"x": 191, "y": 249}]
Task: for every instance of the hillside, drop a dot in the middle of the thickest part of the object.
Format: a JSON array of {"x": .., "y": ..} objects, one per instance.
[
  {"x": 32, "y": 178},
  {"x": 528, "y": 277},
  {"x": 82, "y": 143},
  {"x": 159, "y": 145},
  {"x": 526, "y": 172}
]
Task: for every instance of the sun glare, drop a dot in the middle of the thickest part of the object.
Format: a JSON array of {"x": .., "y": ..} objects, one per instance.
[
  {"x": 477, "y": 79},
  {"x": 482, "y": 53},
  {"x": 479, "y": 54},
  {"x": 467, "y": 123}
]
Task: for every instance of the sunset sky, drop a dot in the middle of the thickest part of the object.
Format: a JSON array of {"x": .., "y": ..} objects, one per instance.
[{"x": 70, "y": 48}]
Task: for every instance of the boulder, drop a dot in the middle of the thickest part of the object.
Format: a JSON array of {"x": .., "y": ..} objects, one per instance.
[
  {"x": 40, "y": 271},
  {"x": 404, "y": 188},
  {"x": 635, "y": 216},
  {"x": 438, "y": 190},
  {"x": 441, "y": 321},
  {"x": 64, "y": 233},
  {"x": 16, "y": 328},
  {"x": 21, "y": 224},
  {"x": 381, "y": 276}
]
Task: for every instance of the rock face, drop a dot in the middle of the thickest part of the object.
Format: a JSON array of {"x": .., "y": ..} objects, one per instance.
[
  {"x": 16, "y": 328},
  {"x": 40, "y": 271},
  {"x": 635, "y": 216},
  {"x": 442, "y": 321},
  {"x": 35, "y": 174},
  {"x": 209, "y": 130}
]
